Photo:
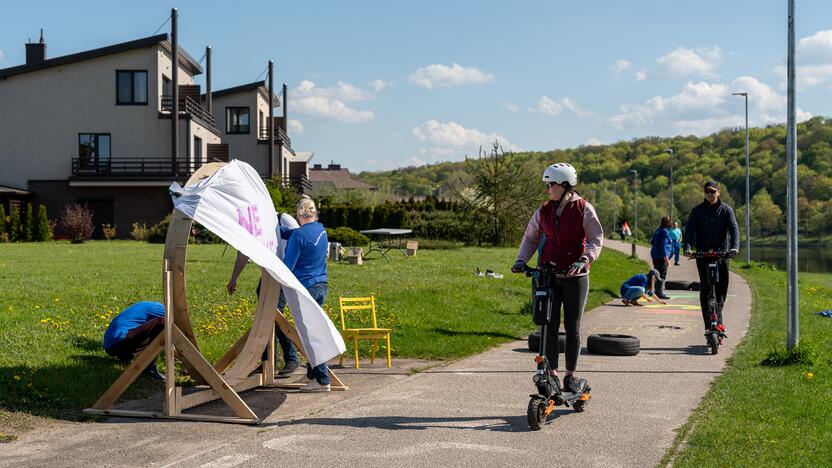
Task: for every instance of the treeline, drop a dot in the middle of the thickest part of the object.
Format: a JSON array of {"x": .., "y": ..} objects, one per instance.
[
  {"x": 606, "y": 178},
  {"x": 29, "y": 227}
]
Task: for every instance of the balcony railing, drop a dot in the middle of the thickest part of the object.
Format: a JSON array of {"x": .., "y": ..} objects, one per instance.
[
  {"x": 279, "y": 135},
  {"x": 133, "y": 167},
  {"x": 189, "y": 106},
  {"x": 299, "y": 182}
]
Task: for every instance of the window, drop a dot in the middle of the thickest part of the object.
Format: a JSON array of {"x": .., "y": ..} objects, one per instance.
[
  {"x": 197, "y": 149},
  {"x": 131, "y": 87},
  {"x": 236, "y": 120},
  {"x": 94, "y": 149},
  {"x": 166, "y": 88},
  {"x": 262, "y": 123}
]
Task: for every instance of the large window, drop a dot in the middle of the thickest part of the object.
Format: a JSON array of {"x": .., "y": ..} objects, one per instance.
[
  {"x": 131, "y": 87},
  {"x": 237, "y": 120},
  {"x": 197, "y": 149},
  {"x": 94, "y": 149}
]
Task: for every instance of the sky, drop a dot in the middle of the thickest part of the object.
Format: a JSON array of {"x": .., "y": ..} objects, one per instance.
[{"x": 375, "y": 85}]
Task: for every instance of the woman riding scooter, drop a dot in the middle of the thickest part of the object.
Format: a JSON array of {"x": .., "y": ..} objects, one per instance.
[{"x": 573, "y": 241}]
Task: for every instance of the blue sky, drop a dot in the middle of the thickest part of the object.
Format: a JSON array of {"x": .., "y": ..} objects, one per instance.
[{"x": 378, "y": 84}]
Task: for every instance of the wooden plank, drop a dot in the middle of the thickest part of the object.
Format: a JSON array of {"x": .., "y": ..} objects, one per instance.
[
  {"x": 203, "y": 367},
  {"x": 268, "y": 364},
  {"x": 184, "y": 417},
  {"x": 231, "y": 354},
  {"x": 127, "y": 377},
  {"x": 204, "y": 396},
  {"x": 293, "y": 336},
  {"x": 170, "y": 349}
]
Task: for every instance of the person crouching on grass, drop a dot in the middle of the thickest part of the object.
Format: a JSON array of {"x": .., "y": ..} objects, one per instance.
[{"x": 132, "y": 331}]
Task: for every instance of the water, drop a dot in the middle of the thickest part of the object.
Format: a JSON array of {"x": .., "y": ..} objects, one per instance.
[{"x": 809, "y": 259}]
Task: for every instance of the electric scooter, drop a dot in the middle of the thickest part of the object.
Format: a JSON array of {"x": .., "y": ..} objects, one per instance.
[
  {"x": 715, "y": 333},
  {"x": 549, "y": 392}
]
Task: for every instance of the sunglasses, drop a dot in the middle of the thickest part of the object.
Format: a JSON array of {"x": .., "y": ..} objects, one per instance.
[
  {"x": 711, "y": 190},
  {"x": 549, "y": 185}
]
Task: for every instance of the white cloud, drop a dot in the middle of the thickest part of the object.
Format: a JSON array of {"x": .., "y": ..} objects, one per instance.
[
  {"x": 329, "y": 103},
  {"x": 593, "y": 142},
  {"x": 378, "y": 85},
  {"x": 702, "y": 108},
  {"x": 450, "y": 140},
  {"x": 685, "y": 62},
  {"x": 641, "y": 75},
  {"x": 619, "y": 67},
  {"x": 511, "y": 107},
  {"x": 296, "y": 127},
  {"x": 817, "y": 47},
  {"x": 547, "y": 105},
  {"x": 438, "y": 75}
]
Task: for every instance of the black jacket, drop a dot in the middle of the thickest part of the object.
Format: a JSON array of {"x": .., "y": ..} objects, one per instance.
[{"x": 710, "y": 226}]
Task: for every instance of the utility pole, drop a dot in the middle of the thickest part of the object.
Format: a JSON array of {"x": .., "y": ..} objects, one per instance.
[
  {"x": 747, "y": 185},
  {"x": 791, "y": 194},
  {"x": 174, "y": 107},
  {"x": 271, "y": 118}
]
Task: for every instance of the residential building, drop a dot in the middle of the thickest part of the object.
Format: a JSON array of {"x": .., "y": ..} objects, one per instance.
[{"x": 334, "y": 177}]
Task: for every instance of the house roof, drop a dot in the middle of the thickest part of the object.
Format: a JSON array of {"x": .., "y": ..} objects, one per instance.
[
  {"x": 162, "y": 39},
  {"x": 12, "y": 190},
  {"x": 257, "y": 85},
  {"x": 340, "y": 178},
  {"x": 301, "y": 156}
]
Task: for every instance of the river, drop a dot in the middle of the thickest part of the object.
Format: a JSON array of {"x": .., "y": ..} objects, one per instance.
[{"x": 813, "y": 259}]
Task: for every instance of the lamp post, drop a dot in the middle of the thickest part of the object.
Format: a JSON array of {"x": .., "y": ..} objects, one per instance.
[
  {"x": 747, "y": 189},
  {"x": 792, "y": 324},
  {"x": 670, "y": 150},
  {"x": 635, "y": 198}
]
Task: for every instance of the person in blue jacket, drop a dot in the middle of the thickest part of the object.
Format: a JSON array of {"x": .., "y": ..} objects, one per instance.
[
  {"x": 132, "y": 331},
  {"x": 306, "y": 257},
  {"x": 638, "y": 286},
  {"x": 661, "y": 251}
]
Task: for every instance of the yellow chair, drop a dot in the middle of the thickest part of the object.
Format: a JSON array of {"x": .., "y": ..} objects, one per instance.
[{"x": 353, "y": 304}]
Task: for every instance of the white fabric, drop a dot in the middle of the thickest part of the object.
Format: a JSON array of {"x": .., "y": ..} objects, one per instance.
[
  {"x": 286, "y": 221},
  {"x": 235, "y": 205}
]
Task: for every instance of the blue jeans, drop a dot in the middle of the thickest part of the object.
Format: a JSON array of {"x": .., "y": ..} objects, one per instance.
[
  {"x": 321, "y": 372},
  {"x": 676, "y": 248},
  {"x": 289, "y": 353},
  {"x": 632, "y": 293}
]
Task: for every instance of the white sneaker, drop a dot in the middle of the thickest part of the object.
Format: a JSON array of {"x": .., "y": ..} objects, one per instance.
[{"x": 314, "y": 386}]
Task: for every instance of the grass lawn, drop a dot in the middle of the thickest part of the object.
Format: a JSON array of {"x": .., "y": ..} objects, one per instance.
[
  {"x": 757, "y": 415},
  {"x": 59, "y": 298}
]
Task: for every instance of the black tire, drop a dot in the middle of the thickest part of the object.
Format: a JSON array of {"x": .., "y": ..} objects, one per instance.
[
  {"x": 613, "y": 345},
  {"x": 534, "y": 342},
  {"x": 677, "y": 285},
  {"x": 713, "y": 341},
  {"x": 580, "y": 406},
  {"x": 536, "y": 413},
  {"x": 695, "y": 286}
]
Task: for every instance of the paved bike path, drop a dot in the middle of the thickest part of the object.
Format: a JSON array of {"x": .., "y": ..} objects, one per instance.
[{"x": 472, "y": 412}]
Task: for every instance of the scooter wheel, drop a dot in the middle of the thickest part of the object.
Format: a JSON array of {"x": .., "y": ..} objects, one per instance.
[
  {"x": 536, "y": 414},
  {"x": 714, "y": 342},
  {"x": 580, "y": 406}
]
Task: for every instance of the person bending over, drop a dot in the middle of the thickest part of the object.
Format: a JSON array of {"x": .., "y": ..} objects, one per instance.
[
  {"x": 132, "y": 330},
  {"x": 638, "y": 286}
]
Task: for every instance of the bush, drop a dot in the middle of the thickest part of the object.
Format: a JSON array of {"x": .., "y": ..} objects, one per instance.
[
  {"x": 201, "y": 235},
  {"x": 42, "y": 232},
  {"x": 347, "y": 236},
  {"x": 3, "y": 223},
  {"x": 158, "y": 233},
  {"x": 139, "y": 232},
  {"x": 31, "y": 225},
  {"x": 14, "y": 226},
  {"x": 76, "y": 222},
  {"x": 109, "y": 231}
]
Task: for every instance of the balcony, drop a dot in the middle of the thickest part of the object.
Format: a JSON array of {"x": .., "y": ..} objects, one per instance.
[
  {"x": 280, "y": 136},
  {"x": 189, "y": 106},
  {"x": 299, "y": 181},
  {"x": 133, "y": 168}
]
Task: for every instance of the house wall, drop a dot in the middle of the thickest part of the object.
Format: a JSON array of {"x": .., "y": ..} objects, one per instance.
[
  {"x": 45, "y": 110},
  {"x": 243, "y": 147}
]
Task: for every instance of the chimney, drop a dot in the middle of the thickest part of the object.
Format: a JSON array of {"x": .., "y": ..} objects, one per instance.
[
  {"x": 316, "y": 167},
  {"x": 36, "y": 51}
]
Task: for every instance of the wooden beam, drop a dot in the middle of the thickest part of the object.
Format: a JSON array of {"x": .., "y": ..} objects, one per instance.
[
  {"x": 127, "y": 377},
  {"x": 204, "y": 396},
  {"x": 157, "y": 415},
  {"x": 170, "y": 349}
]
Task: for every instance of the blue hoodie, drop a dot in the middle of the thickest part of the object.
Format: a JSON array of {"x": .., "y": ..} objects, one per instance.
[
  {"x": 306, "y": 253},
  {"x": 662, "y": 245}
]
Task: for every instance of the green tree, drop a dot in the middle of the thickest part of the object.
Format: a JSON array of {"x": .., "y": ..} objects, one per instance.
[
  {"x": 766, "y": 216},
  {"x": 29, "y": 230},
  {"x": 3, "y": 222},
  {"x": 42, "y": 229},
  {"x": 14, "y": 226}
]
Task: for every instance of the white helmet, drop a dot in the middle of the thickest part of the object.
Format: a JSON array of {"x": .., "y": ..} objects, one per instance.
[{"x": 560, "y": 173}]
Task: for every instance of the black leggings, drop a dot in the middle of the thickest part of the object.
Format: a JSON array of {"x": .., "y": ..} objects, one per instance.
[
  {"x": 705, "y": 289},
  {"x": 137, "y": 340},
  {"x": 571, "y": 293}
]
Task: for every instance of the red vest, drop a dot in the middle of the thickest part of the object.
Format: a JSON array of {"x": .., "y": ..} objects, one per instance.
[{"x": 565, "y": 236}]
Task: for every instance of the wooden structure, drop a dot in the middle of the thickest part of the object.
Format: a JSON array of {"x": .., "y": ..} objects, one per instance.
[
  {"x": 354, "y": 304},
  {"x": 233, "y": 373}
]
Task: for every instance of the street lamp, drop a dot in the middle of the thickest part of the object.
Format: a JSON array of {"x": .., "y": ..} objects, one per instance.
[
  {"x": 670, "y": 150},
  {"x": 747, "y": 189},
  {"x": 635, "y": 197}
]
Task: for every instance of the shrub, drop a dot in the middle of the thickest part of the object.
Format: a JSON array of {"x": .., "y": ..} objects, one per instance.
[
  {"x": 14, "y": 226},
  {"x": 139, "y": 232},
  {"x": 43, "y": 232},
  {"x": 76, "y": 222},
  {"x": 109, "y": 231},
  {"x": 347, "y": 236},
  {"x": 158, "y": 233},
  {"x": 3, "y": 222},
  {"x": 201, "y": 235},
  {"x": 30, "y": 225}
]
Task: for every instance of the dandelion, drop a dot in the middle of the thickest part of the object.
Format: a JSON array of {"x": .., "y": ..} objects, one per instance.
[
  {"x": 808, "y": 375},
  {"x": 17, "y": 377}
]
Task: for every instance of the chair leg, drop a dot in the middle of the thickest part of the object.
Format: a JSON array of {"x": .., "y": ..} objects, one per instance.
[
  {"x": 389, "y": 363},
  {"x": 373, "y": 352},
  {"x": 355, "y": 345}
]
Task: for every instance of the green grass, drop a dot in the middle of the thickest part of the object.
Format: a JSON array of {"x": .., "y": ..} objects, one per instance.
[
  {"x": 757, "y": 414},
  {"x": 58, "y": 299}
]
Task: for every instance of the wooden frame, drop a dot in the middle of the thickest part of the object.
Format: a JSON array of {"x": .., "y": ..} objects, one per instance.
[{"x": 233, "y": 373}]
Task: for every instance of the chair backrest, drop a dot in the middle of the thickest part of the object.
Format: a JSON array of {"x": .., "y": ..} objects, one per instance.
[{"x": 354, "y": 304}]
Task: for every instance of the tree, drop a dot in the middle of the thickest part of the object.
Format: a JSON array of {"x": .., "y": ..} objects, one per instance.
[
  {"x": 766, "y": 216},
  {"x": 42, "y": 230},
  {"x": 14, "y": 226},
  {"x": 29, "y": 231},
  {"x": 501, "y": 188},
  {"x": 3, "y": 223}
]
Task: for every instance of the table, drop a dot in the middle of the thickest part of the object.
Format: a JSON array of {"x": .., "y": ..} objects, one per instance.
[{"x": 384, "y": 240}]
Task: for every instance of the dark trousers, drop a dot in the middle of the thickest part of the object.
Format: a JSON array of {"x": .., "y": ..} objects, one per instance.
[
  {"x": 705, "y": 289},
  {"x": 137, "y": 340},
  {"x": 662, "y": 268},
  {"x": 571, "y": 294}
]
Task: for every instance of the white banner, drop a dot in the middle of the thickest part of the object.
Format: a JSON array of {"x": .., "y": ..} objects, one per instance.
[{"x": 235, "y": 205}]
